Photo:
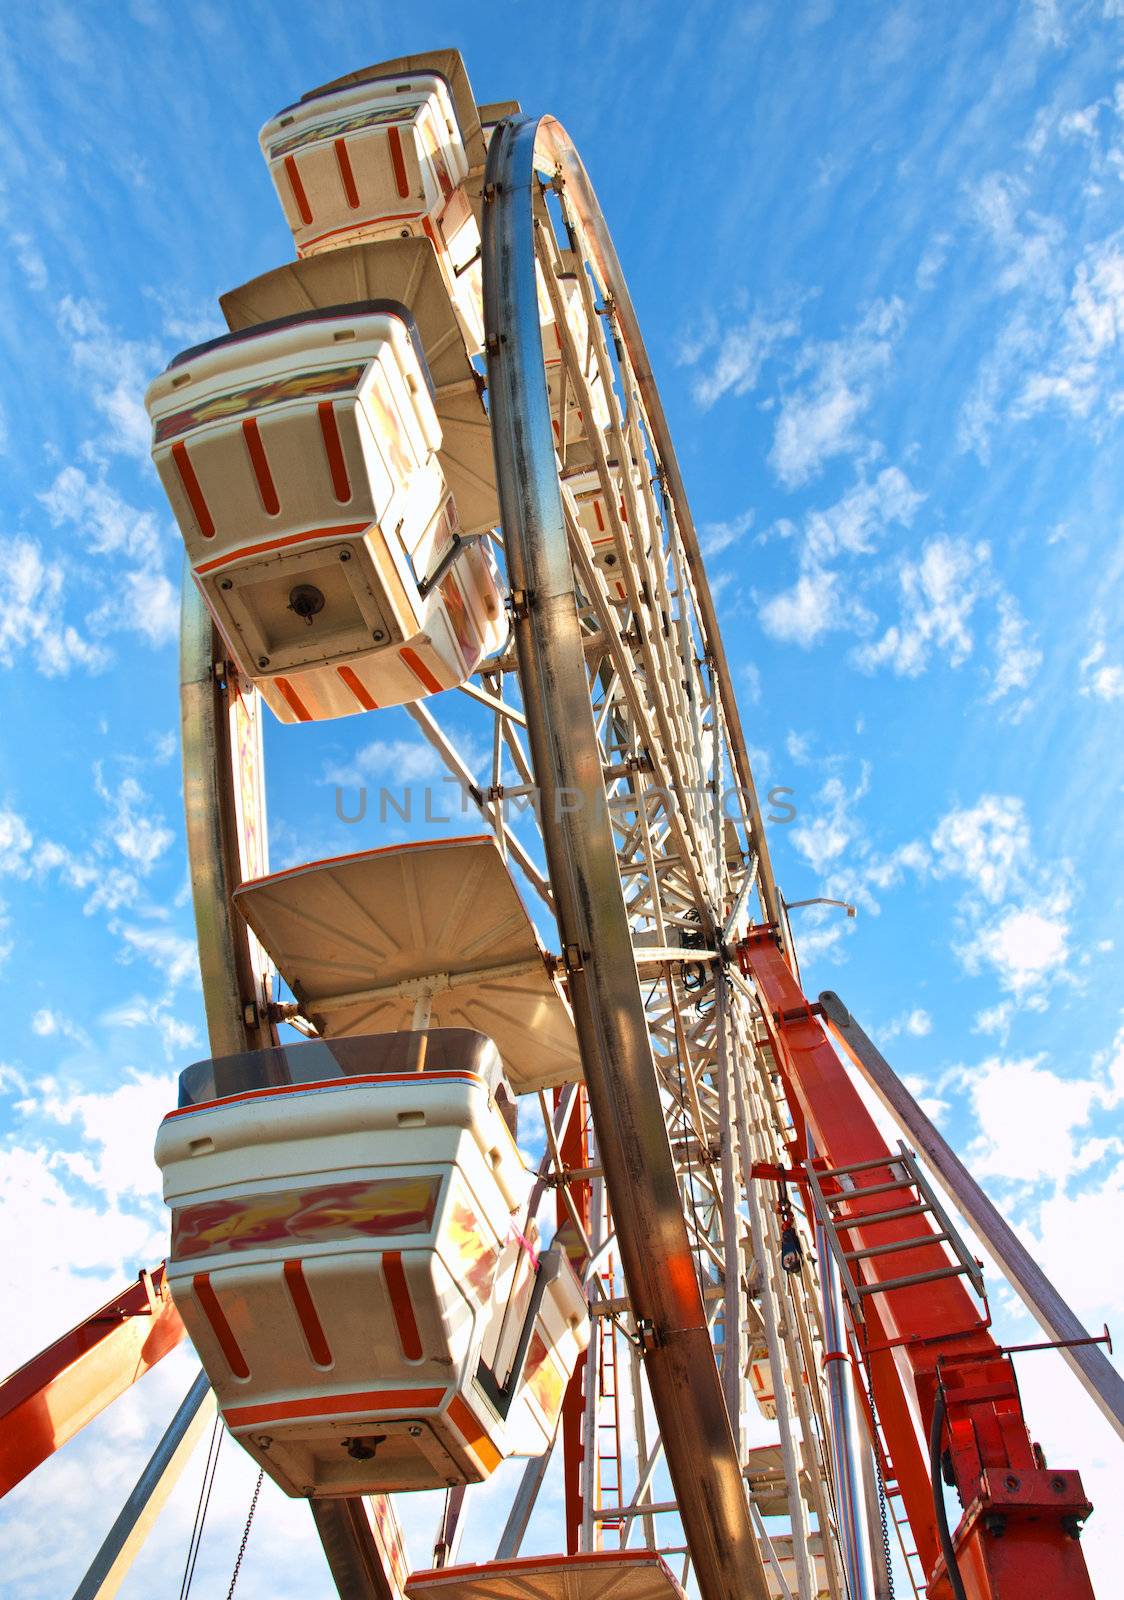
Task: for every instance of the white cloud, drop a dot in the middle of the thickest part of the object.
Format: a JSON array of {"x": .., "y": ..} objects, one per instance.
[
  {"x": 30, "y": 261},
  {"x": 47, "y": 1024},
  {"x": 1016, "y": 658},
  {"x": 819, "y": 419},
  {"x": 827, "y": 833},
  {"x": 119, "y": 1126},
  {"x": 1079, "y": 373},
  {"x": 15, "y": 845},
  {"x": 938, "y": 595},
  {"x": 855, "y": 522},
  {"x": 988, "y": 844},
  {"x": 1010, "y": 923},
  {"x": 1046, "y": 24},
  {"x": 917, "y": 1023},
  {"x": 45, "y": 1231},
  {"x": 995, "y": 1020},
  {"x": 142, "y": 1012},
  {"x": 1025, "y": 945},
  {"x": 1102, "y": 680},
  {"x": 144, "y": 602},
  {"x": 1025, "y": 241},
  {"x": 133, "y": 827},
  {"x": 106, "y": 524},
  {"x": 1028, "y": 1117},
  {"x": 714, "y": 537},
  {"x": 803, "y": 614},
  {"x": 32, "y": 630},
  {"x": 173, "y": 956},
  {"x": 389, "y": 762},
  {"x": 735, "y": 355},
  {"x": 117, "y": 371}
]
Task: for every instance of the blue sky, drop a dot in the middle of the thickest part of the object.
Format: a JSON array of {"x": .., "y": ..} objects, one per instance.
[{"x": 877, "y": 253}]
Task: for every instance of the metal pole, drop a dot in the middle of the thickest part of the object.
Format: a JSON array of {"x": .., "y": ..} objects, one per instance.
[
  {"x": 609, "y": 1010},
  {"x": 523, "y": 1504},
  {"x": 731, "y": 1221},
  {"x": 804, "y": 1572},
  {"x": 847, "y": 1441},
  {"x": 1096, "y": 1374},
  {"x": 123, "y": 1541}
]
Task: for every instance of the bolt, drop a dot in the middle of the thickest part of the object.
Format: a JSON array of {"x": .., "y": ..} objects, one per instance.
[
  {"x": 1011, "y": 1481},
  {"x": 263, "y": 661},
  {"x": 378, "y": 635},
  {"x": 415, "y": 1433},
  {"x": 345, "y": 555},
  {"x": 1057, "y": 1484},
  {"x": 263, "y": 1441},
  {"x": 226, "y": 583}
]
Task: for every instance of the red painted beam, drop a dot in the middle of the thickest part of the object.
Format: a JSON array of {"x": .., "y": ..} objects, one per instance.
[
  {"x": 57, "y": 1392},
  {"x": 574, "y": 1150},
  {"x": 1020, "y": 1518}
]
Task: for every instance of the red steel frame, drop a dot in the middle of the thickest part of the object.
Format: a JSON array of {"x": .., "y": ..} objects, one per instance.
[
  {"x": 57, "y": 1392},
  {"x": 1018, "y": 1537},
  {"x": 574, "y": 1150}
]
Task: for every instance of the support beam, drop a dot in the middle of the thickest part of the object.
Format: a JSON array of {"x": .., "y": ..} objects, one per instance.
[
  {"x": 134, "y": 1524},
  {"x": 632, "y": 1142},
  {"x": 1092, "y": 1368},
  {"x": 52, "y": 1396}
]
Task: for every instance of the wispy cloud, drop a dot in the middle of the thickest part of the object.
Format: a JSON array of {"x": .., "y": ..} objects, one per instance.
[
  {"x": 939, "y": 592},
  {"x": 819, "y": 417},
  {"x": 732, "y": 357},
  {"x": 33, "y": 630}
]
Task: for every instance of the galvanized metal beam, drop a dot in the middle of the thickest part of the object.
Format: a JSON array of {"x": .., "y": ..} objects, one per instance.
[
  {"x": 123, "y": 1542},
  {"x": 609, "y": 1010}
]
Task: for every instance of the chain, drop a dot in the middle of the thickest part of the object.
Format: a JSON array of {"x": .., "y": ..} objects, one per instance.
[
  {"x": 885, "y": 1527},
  {"x": 245, "y": 1535}
]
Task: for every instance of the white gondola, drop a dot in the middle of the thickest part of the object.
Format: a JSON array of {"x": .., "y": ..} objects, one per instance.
[
  {"x": 595, "y": 516},
  {"x": 381, "y": 159},
  {"x": 300, "y": 459},
  {"x": 352, "y": 1260},
  {"x": 585, "y": 1575},
  {"x": 577, "y": 425}
]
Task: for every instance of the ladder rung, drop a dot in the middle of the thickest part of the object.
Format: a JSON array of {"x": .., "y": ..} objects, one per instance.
[
  {"x": 914, "y": 1277},
  {"x": 847, "y": 1224},
  {"x": 898, "y": 1244},
  {"x": 887, "y": 1160},
  {"x": 875, "y": 1188}
]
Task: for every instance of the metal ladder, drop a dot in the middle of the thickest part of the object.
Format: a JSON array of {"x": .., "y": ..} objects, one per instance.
[{"x": 923, "y": 1202}]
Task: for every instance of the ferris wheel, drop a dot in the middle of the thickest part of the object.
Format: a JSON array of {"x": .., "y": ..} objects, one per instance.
[{"x": 429, "y": 468}]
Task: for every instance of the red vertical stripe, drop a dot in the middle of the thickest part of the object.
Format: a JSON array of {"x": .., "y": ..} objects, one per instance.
[
  {"x": 398, "y": 161},
  {"x": 297, "y": 187},
  {"x": 301, "y": 1296},
  {"x": 354, "y": 683},
  {"x": 221, "y": 1328},
  {"x": 293, "y": 700},
  {"x": 192, "y": 490},
  {"x": 343, "y": 161},
  {"x": 418, "y": 667},
  {"x": 402, "y": 1305},
  {"x": 337, "y": 466},
  {"x": 260, "y": 461}
]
